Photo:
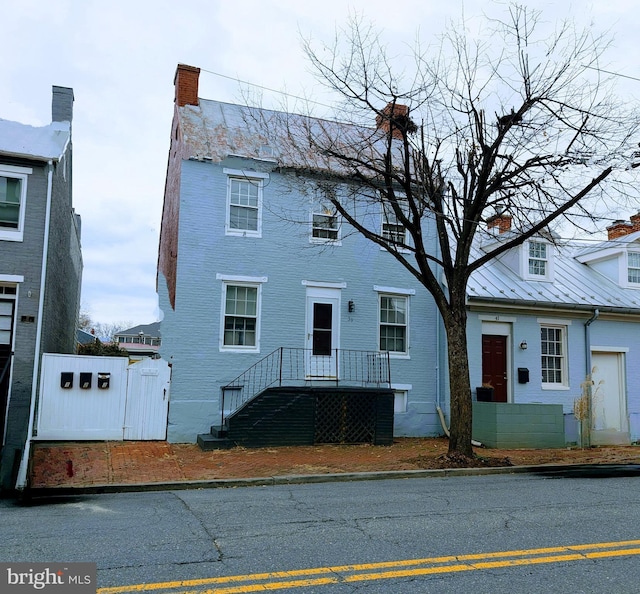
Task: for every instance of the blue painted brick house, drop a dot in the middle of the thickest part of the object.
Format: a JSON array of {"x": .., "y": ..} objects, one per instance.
[{"x": 255, "y": 270}]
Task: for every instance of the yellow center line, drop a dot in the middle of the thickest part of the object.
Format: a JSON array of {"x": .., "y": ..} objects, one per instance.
[{"x": 399, "y": 569}]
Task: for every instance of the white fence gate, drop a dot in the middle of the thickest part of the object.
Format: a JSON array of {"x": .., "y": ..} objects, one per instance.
[{"x": 102, "y": 398}]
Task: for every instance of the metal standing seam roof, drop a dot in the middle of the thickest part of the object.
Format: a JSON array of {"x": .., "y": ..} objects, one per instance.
[
  {"x": 42, "y": 143},
  {"x": 574, "y": 284},
  {"x": 214, "y": 130}
]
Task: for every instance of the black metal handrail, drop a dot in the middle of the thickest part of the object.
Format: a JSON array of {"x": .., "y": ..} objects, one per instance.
[{"x": 290, "y": 367}]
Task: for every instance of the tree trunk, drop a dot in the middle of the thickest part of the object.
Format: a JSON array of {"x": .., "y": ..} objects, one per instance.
[{"x": 459, "y": 382}]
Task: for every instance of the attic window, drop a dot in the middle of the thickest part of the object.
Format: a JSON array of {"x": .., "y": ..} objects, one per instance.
[{"x": 633, "y": 267}]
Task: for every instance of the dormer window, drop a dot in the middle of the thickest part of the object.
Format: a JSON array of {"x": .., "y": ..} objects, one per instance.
[
  {"x": 633, "y": 267},
  {"x": 537, "y": 258},
  {"x": 536, "y": 261}
]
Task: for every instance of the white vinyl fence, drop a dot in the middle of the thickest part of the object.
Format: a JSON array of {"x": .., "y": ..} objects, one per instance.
[{"x": 102, "y": 398}]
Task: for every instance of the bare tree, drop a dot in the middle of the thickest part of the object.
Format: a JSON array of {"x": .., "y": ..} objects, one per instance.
[{"x": 506, "y": 122}]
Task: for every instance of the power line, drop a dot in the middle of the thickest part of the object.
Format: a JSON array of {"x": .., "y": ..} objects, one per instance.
[
  {"x": 614, "y": 73},
  {"x": 245, "y": 82}
]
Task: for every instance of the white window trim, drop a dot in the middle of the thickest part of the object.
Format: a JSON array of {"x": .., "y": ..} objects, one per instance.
[
  {"x": 400, "y": 249},
  {"x": 324, "y": 285},
  {"x": 21, "y": 173},
  {"x": 404, "y": 388},
  {"x": 325, "y": 240},
  {"x": 395, "y": 290},
  {"x": 524, "y": 262},
  {"x": 251, "y": 177},
  {"x": 247, "y": 281},
  {"x": 11, "y": 278},
  {"x": 625, "y": 274},
  {"x": 564, "y": 385},
  {"x": 239, "y": 278},
  {"x": 406, "y": 293}
]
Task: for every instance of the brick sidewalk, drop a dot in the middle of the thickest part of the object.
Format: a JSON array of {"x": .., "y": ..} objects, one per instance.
[{"x": 86, "y": 464}]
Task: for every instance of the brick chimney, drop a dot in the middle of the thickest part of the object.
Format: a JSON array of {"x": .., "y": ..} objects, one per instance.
[
  {"x": 61, "y": 104},
  {"x": 499, "y": 222},
  {"x": 619, "y": 229},
  {"x": 635, "y": 222},
  {"x": 186, "y": 84},
  {"x": 396, "y": 114}
]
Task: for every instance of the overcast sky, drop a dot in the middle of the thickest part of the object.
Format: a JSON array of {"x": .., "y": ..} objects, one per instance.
[{"x": 120, "y": 58}]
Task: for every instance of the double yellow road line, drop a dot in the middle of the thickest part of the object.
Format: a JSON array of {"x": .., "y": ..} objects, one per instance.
[{"x": 366, "y": 572}]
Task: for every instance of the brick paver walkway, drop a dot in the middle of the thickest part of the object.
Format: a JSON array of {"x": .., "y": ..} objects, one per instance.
[{"x": 82, "y": 464}]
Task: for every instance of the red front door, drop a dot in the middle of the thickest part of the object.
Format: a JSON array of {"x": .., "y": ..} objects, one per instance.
[{"x": 494, "y": 365}]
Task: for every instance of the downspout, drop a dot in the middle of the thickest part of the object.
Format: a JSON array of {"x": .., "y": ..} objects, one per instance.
[
  {"x": 587, "y": 338},
  {"x": 586, "y": 426},
  {"x": 21, "y": 480}
]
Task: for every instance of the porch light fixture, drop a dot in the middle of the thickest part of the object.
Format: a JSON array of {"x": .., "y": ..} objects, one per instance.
[
  {"x": 523, "y": 345},
  {"x": 351, "y": 306}
]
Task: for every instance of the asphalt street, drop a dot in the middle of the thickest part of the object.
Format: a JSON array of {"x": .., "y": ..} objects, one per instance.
[{"x": 493, "y": 534}]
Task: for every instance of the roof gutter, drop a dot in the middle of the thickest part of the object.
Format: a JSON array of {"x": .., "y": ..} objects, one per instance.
[
  {"x": 22, "y": 477},
  {"x": 477, "y": 301}
]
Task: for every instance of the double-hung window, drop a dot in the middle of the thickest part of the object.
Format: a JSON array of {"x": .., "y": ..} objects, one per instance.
[
  {"x": 553, "y": 349},
  {"x": 393, "y": 323},
  {"x": 325, "y": 224},
  {"x": 240, "y": 327},
  {"x": 392, "y": 229},
  {"x": 240, "y": 316},
  {"x": 538, "y": 262},
  {"x": 244, "y": 203},
  {"x": 13, "y": 192},
  {"x": 633, "y": 267}
]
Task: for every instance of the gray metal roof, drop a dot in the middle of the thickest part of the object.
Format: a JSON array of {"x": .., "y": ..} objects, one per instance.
[
  {"x": 575, "y": 285},
  {"x": 214, "y": 130},
  {"x": 152, "y": 329},
  {"x": 42, "y": 143}
]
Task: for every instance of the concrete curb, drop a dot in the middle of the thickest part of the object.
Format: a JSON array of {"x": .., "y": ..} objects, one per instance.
[{"x": 298, "y": 479}]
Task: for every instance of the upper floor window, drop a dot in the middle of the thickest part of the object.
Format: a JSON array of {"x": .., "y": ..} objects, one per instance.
[
  {"x": 13, "y": 192},
  {"x": 392, "y": 229},
  {"x": 633, "y": 267},
  {"x": 538, "y": 264},
  {"x": 325, "y": 225},
  {"x": 244, "y": 203},
  {"x": 553, "y": 348}
]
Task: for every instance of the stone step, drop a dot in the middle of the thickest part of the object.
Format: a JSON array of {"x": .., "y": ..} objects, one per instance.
[{"x": 208, "y": 442}]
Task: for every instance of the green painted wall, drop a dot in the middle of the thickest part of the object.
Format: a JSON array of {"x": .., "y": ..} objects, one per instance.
[{"x": 504, "y": 425}]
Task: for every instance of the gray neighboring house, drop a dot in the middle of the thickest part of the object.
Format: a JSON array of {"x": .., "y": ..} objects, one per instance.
[
  {"x": 140, "y": 341},
  {"x": 40, "y": 268}
]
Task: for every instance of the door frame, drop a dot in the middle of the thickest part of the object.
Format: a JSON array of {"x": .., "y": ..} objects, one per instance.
[
  {"x": 313, "y": 363},
  {"x": 500, "y": 326},
  {"x": 5, "y": 386},
  {"x": 611, "y": 436}
]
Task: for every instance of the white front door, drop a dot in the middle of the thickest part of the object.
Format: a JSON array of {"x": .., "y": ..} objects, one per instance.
[
  {"x": 322, "y": 333},
  {"x": 608, "y": 401}
]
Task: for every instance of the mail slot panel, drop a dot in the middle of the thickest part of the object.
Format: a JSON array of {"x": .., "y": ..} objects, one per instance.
[
  {"x": 104, "y": 379},
  {"x": 66, "y": 380},
  {"x": 85, "y": 380}
]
